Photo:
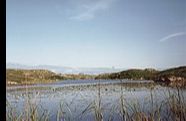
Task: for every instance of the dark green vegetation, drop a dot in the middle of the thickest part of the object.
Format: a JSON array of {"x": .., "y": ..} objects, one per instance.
[
  {"x": 147, "y": 74},
  {"x": 173, "y": 76},
  {"x": 133, "y": 74},
  {"x": 178, "y": 72}
]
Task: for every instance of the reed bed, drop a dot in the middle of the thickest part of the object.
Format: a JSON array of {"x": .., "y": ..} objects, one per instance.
[{"x": 173, "y": 108}]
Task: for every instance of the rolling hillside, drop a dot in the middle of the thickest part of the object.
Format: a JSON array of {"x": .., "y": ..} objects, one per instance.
[
  {"x": 133, "y": 74},
  {"x": 14, "y": 76}
]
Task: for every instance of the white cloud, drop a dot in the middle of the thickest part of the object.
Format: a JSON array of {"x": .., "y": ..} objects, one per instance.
[
  {"x": 90, "y": 10},
  {"x": 172, "y": 36}
]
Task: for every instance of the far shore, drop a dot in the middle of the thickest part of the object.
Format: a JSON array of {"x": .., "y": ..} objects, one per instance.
[{"x": 171, "y": 77}]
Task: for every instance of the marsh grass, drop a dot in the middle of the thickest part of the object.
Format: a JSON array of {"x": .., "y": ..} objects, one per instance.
[
  {"x": 31, "y": 112},
  {"x": 177, "y": 105},
  {"x": 95, "y": 107},
  {"x": 11, "y": 112},
  {"x": 65, "y": 113},
  {"x": 173, "y": 108}
]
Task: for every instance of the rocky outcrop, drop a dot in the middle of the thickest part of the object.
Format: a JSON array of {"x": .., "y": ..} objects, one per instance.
[{"x": 172, "y": 81}]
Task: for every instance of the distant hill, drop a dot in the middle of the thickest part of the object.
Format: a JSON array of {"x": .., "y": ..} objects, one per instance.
[
  {"x": 34, "y": 76},
  {"x": 178, "y": 72},
  {"x": 65, "y": 70},
  {"x": 134, "y": 74},
  {"x": 14, "y": 76},
  {"x": 174, "y": 76}
]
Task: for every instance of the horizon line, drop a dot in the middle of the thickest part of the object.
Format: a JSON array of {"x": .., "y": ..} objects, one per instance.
[{"x": 112, "y": 67}]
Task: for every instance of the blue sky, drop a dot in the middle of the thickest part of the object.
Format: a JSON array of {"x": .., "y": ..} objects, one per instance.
[{"x": 97, "y": 33}]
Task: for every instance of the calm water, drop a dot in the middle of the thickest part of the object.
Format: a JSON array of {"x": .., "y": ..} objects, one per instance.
[{"x": 75, "y": 96}]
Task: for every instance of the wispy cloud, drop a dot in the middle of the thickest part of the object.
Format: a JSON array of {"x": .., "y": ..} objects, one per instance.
[
  {"x": 172, "y": 36},
  {"x": 90, "y": 10}
]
